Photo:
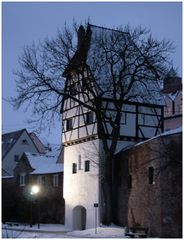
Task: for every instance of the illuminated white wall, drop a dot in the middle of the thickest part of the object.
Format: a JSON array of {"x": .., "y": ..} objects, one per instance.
[{"x": 81, "y": 188}]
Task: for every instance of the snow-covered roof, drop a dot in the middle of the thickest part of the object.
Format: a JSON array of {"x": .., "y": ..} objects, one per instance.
[
  {"x": 36, "y": 160},
  {"x": 7, "y": 177},
  {"x": 54, "y": 150},
  {"x": 49, "y": 168},
  {"x": 44, "y": 163},
  {"x": 170, "y": 132}
]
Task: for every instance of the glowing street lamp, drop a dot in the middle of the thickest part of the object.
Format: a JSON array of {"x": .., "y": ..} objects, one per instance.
[{"x": 34, "y": 191}]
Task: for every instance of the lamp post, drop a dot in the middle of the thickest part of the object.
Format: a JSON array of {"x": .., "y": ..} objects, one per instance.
[
  {"x": 34, "y": 192},
  {"x": 96, "y": 206}
]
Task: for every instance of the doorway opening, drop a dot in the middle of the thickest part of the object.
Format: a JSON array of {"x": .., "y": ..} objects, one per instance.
[{"x": 79, "y": 218}]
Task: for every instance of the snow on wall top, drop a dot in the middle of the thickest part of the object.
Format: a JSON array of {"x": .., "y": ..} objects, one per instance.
[
  {"x": 171, "y": 132},
  {"x": 167, "y": 133},
  {"x": 173, "y": 95}
]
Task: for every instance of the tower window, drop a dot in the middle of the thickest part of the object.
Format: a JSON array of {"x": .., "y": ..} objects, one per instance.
[
  {"x": 87, "y": 166},
  {"x": 89, "y": 117},
  {"x": 69, "y": 124},
  {"x": 74, "y": 168},
  {"x": 151, "y": 175}
]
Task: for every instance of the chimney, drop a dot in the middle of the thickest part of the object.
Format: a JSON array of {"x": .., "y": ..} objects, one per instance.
[{"x": 81, "y": 35}]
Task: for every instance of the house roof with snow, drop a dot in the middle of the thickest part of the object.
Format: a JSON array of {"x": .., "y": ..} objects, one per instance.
[
  {"x": 48, "y": 169},
  {"x": 43, "y": 163}
]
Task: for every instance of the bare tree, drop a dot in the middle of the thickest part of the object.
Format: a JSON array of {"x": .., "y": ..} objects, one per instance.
[{"x": 121, "y": 65}]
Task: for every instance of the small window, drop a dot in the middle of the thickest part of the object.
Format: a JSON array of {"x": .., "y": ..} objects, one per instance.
[
  {"x": 69, "y": 124},
  {"x": 87, "y": 166},
  {"x": 22, "y": 179},
  {"x": 74, "y": 168},
  {"x": 151, "y": 175},
  {"x": 16, "y": 158},
  {"x": 89, "y": 118},
  {"x": 129, "y": 181},
  {"x": 24, "y": 141},
  {"x": 79, "y": 163},
  {"x": 41, "y": 180},
  {"x": 56, "y": 180},
  {"x": 173, "y": 107}
]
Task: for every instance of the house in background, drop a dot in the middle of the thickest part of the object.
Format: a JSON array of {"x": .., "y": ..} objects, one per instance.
[
  {"x": 46, "y": 171},
  {"x": 172, "y": 91},
  {"x": 24, "y": 165},
  {"x": 41, "y": 147},
  {"x": 13, "y": 146}
]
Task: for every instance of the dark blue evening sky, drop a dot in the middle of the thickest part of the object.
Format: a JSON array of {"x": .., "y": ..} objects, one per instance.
[{"x": 25, "y": 22}]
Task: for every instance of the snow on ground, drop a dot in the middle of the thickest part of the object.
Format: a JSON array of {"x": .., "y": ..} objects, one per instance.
[
  {"x": 60, "y": 231},
  {"x": 101, "y": 232}
]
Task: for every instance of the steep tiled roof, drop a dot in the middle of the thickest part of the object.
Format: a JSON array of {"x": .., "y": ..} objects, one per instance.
[{"x": 9, "y": 139}]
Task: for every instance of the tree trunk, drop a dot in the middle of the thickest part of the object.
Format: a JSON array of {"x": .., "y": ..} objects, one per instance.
[{"x": 106, "y": 191}]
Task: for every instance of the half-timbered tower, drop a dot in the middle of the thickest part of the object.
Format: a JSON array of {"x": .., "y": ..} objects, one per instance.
[{"x": 82, "y": 143}]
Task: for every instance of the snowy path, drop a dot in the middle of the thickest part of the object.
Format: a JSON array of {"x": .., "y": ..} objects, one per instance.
[{"x": 59, "y": 231}]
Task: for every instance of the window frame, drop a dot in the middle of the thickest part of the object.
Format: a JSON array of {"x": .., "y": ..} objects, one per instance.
[
  {"x": 69, "y": 124},
  {"x": 41, "y": 180},
  {"x": 87, "y": 166},
  {"x": 74, "y": 168},
  {"x": 89, "y": 117},
  {"x": 56, "y": 180},
  {"x": 151, "y": 175},
  {"x": 22, "y": 179},
  {"x": 25, "y": 142}
]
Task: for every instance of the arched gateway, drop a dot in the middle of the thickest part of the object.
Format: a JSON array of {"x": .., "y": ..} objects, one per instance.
[{"x": 79, "y": 218}]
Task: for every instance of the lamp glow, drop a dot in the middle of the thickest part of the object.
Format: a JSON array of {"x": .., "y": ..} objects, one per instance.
[{"x": 35, "y": 189}]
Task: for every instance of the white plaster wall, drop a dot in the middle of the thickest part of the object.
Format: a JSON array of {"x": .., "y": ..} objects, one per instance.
[
  {"x": 82, "y": 188},
  {"x": 18, "y": 149}
]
